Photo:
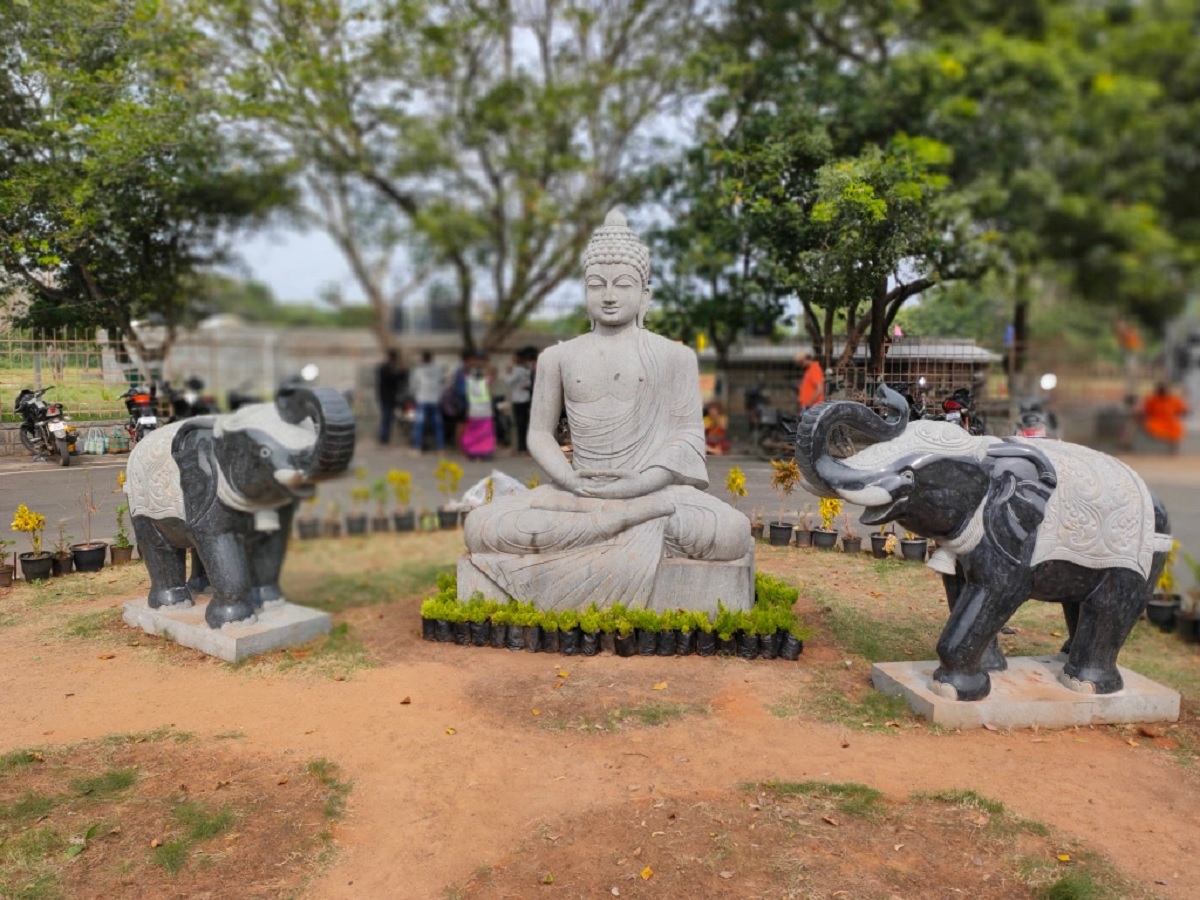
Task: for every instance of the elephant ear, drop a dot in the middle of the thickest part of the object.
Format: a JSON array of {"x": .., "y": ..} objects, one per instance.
[
  {"x": 1022, "y": 482},
  {"x": 196, "y": 457}
]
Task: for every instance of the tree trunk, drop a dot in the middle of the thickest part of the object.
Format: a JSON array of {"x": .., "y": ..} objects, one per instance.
[{"x": 878, "y": 334}]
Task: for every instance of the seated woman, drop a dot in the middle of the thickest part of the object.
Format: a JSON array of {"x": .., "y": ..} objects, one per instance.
[
  {"x": 715, "y": 437},
  {"x": 634, "y": 488}
]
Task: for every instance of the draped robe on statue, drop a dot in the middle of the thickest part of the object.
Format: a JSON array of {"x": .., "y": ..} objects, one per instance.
[{"x": 567, "y": 551}]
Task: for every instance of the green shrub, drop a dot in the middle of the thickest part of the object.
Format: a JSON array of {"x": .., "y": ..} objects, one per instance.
[
  {"x": 646, "y": 620},
  {"x": 505, "y": 614},
  {"x": 479, "y": 610},
  {"x": 550, "y": 620},
  {"x": 568, "y": 619},
  {"x": 590, "y": 620},
  {"x": 728, "y": 622}
]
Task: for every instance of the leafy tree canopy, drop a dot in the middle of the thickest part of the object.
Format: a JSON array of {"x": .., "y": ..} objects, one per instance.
[{"x": 117, "y": 180}]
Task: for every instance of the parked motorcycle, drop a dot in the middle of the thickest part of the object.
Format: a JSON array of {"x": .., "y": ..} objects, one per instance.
[
  {"x": 1033, "y": 419},
  {"x": 959, "y": 408},
  {"x": 772, "y": 432},
  {"x": 45, "y": 430},
  {"x": 189, "y": 402},
  {"x": 141, "y": 404}
]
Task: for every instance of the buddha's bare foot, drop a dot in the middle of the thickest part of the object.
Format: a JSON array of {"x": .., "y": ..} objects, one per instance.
[{"x": 624, "y": 514}]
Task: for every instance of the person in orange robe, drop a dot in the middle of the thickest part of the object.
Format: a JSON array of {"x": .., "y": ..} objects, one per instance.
[
  {"x": 1162, "y": 417},
  {"x": 812, "y": 386}
]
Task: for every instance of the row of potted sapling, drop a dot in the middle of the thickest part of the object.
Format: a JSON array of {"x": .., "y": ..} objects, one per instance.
[
  {"x": 1170, "y": 610},
  {"x": 769, "y": 630},
  {"x": 785, "y": 477},
  {"x": 64, "y": 556},
  {"x": 395, "y": 486}
]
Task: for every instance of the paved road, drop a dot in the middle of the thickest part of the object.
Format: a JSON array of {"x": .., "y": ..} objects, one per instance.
[{"x": 55, "y": 492}]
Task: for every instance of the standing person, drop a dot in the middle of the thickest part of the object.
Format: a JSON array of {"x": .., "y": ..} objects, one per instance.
[
  {"x": 520, "y": 392},
  {"x": 812, "y": 385},
  {"x": 454, "y": 398},
  {"x": 1162, "y": 417},
  {"x": 389, "y": 381},
  {"x": 427, "y": 382},
  {"x": 479, "y": 432}
]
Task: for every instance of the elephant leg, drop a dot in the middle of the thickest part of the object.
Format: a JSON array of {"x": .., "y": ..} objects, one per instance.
[
  {"x": 993, "y": 657},
  {"x": 265, "y": 552},
  {"x": 166, "y": 564},
  {"x": 224, "y": 556},
  {"x": 1071, "y": 615},
  {"x": 198, "y": 584},
  {"x": 978, "y": 615},
  {"x": 1106, "y": 616}
]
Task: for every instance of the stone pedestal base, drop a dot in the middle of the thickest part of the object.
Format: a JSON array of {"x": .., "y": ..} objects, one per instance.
[
  {"x": 278, "y": 626},
  {"x": 680, "y": 584},
  {"x": 1028, "y": 693}
]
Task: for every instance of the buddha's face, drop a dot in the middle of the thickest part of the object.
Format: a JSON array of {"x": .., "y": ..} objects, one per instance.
[{"x": 615, "y": 294}]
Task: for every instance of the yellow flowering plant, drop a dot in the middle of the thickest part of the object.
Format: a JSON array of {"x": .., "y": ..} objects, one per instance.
[
  {"x": 735, "y": 483},
  {"x": 1166, "y": 581},
  {"x": 890, "y": 545},
  {"x": 784, "y": 478},
  {"x": 830, "y": 508},
  {"x": 448, "y": 475},
  {"x": 32, "y": 523},
  {"x": 401, "y": 484}
]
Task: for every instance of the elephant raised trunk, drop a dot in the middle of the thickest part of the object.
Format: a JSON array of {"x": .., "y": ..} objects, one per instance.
[
  {"x": 824, "y": 475},
  {"x": 334, "y": 423}
]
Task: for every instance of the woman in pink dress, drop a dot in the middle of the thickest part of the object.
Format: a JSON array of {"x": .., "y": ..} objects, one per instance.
[{"x": 479, "y": 433}]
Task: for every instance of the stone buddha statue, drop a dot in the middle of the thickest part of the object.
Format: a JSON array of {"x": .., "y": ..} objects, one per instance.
[{"x": 631, "y": 498}]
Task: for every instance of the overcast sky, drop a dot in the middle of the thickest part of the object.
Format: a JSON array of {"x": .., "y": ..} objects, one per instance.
[{"x": 296, "y": 265}]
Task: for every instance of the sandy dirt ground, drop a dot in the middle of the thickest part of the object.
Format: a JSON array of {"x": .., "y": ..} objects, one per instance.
[{"x": 461, "y": 757}]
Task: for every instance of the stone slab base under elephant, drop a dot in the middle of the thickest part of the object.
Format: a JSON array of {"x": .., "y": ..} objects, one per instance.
[
  {"x": 225, "y": 488},
  {"x": 1015, "y": 519}
]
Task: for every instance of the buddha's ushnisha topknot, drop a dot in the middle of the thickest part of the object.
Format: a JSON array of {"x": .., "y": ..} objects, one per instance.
[{"x": 616, "y": 242}]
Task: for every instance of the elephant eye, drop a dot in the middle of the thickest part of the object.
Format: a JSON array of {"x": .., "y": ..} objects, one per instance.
[
  {"x": 907, "y": 475},
  {"x": 264, "y": 452}
]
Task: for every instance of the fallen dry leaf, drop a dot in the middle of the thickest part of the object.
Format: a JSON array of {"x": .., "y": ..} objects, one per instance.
[
  {"x": 282, "y": 780},
  {"x": 897, "y": 846},
  {"x": 989, "y": 726},
  {"x": 221, "y": 784},
  {"x": 107, "y": 656},
  {"x": 339, "y": 677},
  {"x": 451, "y": 731},
  {"x": 726, "y": 874},
  {"x": 1149, "y": 731},
  {"x": 406, "y": 701},
  {"x": 562, "y": 673},
  {"x": 1064, "y": 857},
  {"x": 646, "y": 873},
  {"x": 845, "y": 743},
  {"x": 157, "y": 842},
  {"x": 1056, "y": 634},
  {"x": 831, "y": 820},
  {"x": 661, "y": 686},
  {"x": 537, "y": 712}
]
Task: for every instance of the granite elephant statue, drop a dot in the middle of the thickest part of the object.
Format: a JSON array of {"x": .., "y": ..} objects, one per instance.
[
  {"x": 1015, "y": 519},
  {"x": 226, "y": 487}
]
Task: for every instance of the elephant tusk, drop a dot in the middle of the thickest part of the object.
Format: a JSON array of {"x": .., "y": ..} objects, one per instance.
[
  {"x": 292, "y": 479},
  {"x": 872, "y": 495}
]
